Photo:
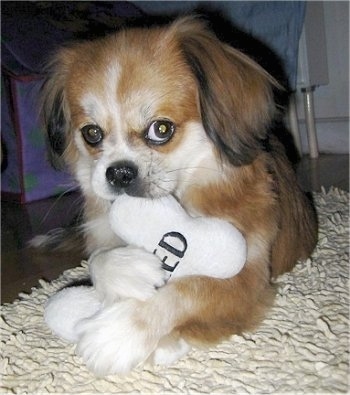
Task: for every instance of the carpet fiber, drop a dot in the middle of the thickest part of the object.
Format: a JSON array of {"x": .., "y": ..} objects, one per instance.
[{"x": 301, "y": 347}]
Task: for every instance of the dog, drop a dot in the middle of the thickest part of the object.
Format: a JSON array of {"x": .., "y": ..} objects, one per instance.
[{"x": 173, "y": 110}]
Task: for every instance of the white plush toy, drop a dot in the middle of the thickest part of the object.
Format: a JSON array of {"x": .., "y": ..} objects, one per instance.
[
  {"x": 163, "y": 243},
  {"x": 186, "y": 245}
]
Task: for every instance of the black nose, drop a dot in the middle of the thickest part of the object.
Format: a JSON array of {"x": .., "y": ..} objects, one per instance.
[{"x": 121, "y": 174}]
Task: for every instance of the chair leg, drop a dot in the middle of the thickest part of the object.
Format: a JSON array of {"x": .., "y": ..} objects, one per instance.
[
  {"x": 293, "y": 123},
  {"x": 310, "y": 121}
]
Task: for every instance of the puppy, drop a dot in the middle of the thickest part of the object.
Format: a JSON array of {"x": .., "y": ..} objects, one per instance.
[{"x": 172, "y": 110}]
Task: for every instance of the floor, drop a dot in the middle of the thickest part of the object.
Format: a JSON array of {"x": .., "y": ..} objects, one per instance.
[{"x": 22, "y": 267}]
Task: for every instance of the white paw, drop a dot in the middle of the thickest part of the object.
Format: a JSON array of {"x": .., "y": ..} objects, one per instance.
[
  {"x": 66, "y": 308},
  {"x": 169, "y": 351},
  {"x": 114, "y": 340},
  {"x": 126, "y": 272}
]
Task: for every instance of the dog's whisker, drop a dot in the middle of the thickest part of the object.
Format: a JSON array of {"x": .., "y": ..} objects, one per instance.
[
  {"x": 189, "y": 168},
  {"x": 72, "y": 188},
  {"x": 160, "y": 187}
]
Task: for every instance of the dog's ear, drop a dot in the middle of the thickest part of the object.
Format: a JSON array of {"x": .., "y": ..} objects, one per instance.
[
  {"x": 54, "y": 111},
  {"x": 235, "y": 93}
]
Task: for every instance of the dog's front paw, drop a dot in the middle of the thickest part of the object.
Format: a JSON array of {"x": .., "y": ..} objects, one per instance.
[
  {"x": 115, "y": 340},
  {"x": 126, "y": 272}
]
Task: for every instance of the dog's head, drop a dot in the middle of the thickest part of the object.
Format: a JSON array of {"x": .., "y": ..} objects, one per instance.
[{"x": 151, "y": 111}]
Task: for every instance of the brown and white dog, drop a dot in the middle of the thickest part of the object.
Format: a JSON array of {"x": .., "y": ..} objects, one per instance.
[{"x": 172, "y": 110}]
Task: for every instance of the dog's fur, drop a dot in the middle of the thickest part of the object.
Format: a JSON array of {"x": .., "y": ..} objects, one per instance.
[{"x": 220, "y": 161}]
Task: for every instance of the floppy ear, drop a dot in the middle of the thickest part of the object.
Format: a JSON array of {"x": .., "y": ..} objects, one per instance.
[
  {"x": 54, "y": 110},
  {"x": 235, "y": 93}
]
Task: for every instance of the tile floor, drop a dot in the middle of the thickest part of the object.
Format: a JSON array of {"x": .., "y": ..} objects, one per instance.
[{"x": 22, "y": 267}]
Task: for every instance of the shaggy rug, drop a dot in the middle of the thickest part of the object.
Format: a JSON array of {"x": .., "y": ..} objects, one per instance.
[{"x": 301, "y": 347}]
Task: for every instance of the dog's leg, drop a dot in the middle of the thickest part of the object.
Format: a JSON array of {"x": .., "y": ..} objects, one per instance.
[{"x": 200, "y": 309}]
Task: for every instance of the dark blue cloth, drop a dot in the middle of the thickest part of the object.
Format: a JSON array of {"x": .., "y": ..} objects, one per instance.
[
  {"x": 278, "y": 24},
  {"x": 31, "y": 30}
]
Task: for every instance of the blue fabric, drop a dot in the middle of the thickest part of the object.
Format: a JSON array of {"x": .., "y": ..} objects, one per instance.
[
  {"x": 278, "y": 24},
  {"x": 31, "y": 30}
]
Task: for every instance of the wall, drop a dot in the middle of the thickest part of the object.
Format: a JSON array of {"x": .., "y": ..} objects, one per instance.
[{"x": 331, "y": 102}]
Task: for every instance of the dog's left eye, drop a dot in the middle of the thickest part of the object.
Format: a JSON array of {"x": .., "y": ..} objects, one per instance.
[
  {"x": 159, "y": 132},
  {"x": 92, "y": 134}
]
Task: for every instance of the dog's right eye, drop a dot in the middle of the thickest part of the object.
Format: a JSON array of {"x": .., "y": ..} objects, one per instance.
[{"x": 92, "y": 134}]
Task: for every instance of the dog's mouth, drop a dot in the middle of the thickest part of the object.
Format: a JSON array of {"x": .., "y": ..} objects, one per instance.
[
  {"x": 139, "y": 189},
  {"x": 133, "y": 192}
]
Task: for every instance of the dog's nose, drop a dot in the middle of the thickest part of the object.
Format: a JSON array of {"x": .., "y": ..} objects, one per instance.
[{"x": 121, "y": 174}]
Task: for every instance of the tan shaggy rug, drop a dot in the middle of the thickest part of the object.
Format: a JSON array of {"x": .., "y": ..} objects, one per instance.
[{"x": 301, "y": 347}]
